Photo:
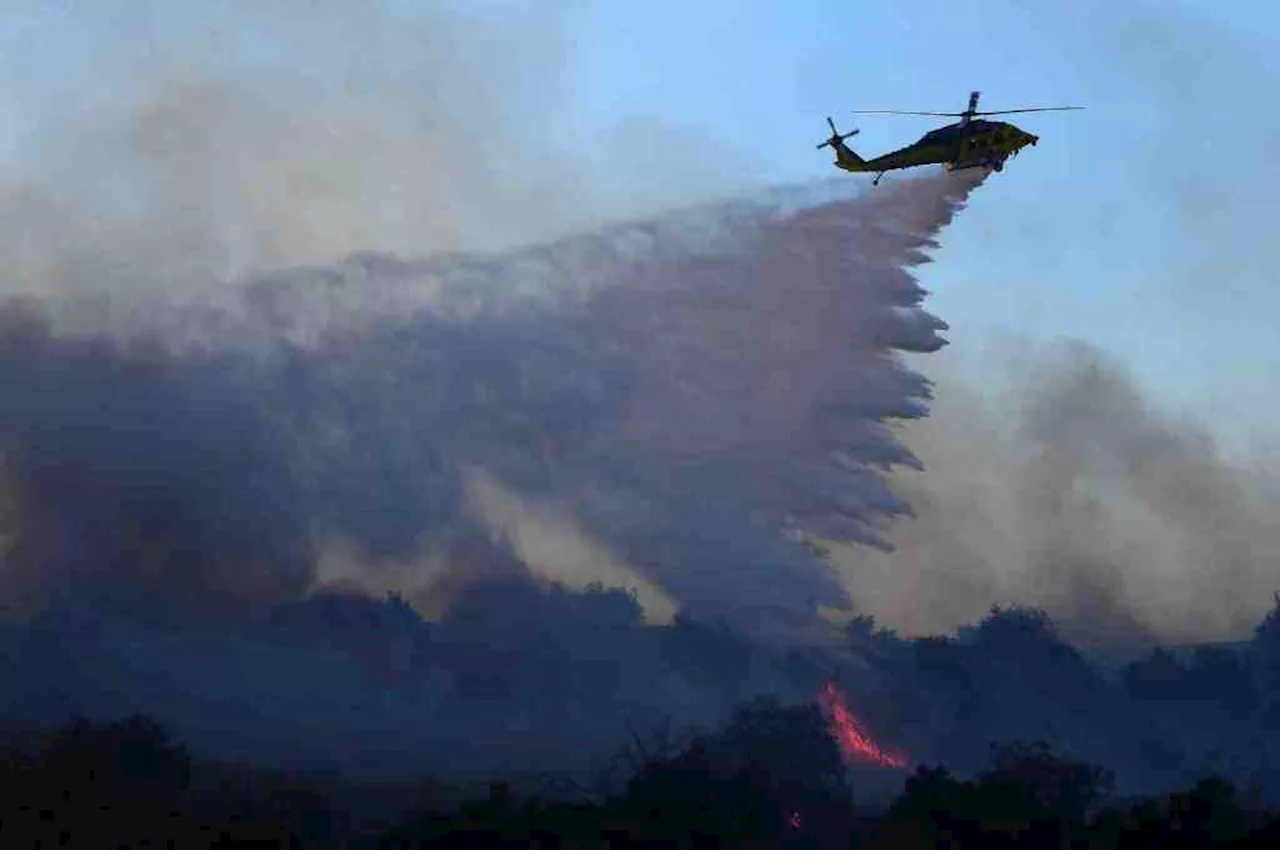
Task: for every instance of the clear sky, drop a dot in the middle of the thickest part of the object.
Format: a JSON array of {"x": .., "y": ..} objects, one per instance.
[{"x": 1145, "y": 223}]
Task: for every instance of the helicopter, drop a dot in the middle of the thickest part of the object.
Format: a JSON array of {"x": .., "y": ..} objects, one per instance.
[{"x": 968, "y": 143}]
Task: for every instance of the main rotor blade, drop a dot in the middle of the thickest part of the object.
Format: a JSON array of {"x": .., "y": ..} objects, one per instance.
[
  {"x": 902, "y": 112},
  {"x": 1037, "y": 109},
  {"x": 962, "y": 114}
]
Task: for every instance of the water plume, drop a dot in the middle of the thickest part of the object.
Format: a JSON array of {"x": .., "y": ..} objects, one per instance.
[{"x": 696, "y": 390}]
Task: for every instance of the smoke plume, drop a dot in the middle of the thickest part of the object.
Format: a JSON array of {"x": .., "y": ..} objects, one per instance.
[
  {"x": 725, "y": 369},
  {"x": 191, "y": 158},
  {"x": 1062, "y": 486},
  {"x": 688, "y": 389}
]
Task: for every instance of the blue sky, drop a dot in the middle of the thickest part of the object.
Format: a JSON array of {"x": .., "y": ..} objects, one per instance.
[{"x": 1143, "y": 224}]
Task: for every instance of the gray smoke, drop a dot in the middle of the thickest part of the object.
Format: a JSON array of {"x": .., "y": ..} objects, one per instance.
[
  {"x": 188, "y": 159},
  {"x": 691, "y": 391},
  {"x": 148, "y": 210},
  {"x": 1070, "y": 490}
]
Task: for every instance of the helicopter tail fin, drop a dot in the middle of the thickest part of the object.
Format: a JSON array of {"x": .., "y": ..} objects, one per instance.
[{"x": 845, "y": 157}]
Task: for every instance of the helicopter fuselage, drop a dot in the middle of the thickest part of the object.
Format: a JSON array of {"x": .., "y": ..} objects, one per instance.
[{"x": 972, "y": 144}]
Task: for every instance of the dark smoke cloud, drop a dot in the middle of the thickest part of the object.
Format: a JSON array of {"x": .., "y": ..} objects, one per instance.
[
  {"x": 130, "y": 471},
  {"x": 686, "y": 389},
  {"x": 193, "y": 157}
]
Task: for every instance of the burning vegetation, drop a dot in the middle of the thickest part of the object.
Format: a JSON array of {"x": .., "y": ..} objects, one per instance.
[{"x": 855, "y": 742}]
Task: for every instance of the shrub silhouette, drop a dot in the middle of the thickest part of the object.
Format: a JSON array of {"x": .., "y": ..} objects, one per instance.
[
  {"x": 135, "y": 752},
  {"x": 773, "y": 774},
  {"x": 1027, "y": 797},
  {"x": 122, "y": 784},
  {"x": 1066, "y": 789},
  {"x": 771, "y": 778}
]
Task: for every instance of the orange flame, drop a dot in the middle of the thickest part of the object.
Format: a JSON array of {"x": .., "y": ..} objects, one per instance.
[{"x": 853, "y": 741}]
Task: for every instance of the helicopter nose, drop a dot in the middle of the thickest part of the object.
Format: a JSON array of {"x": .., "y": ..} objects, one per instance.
[{"x": 1034, "y": 139}]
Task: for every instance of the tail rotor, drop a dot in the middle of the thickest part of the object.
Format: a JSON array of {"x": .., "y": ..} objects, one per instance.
[{"x": 836, "y": 138}]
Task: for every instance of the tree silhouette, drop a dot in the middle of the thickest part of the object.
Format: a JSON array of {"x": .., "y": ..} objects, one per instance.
[
  {"x": 1027, "y": 797},
  {"x": 122, "y": 784},
  {"x": 1265, "y": 650},
  {"x": 1208, "y": 814},
  {"x": 1065, "y": 788},
  {"x": 773, "y": 773},
  {"x": 135, "y": 753}
]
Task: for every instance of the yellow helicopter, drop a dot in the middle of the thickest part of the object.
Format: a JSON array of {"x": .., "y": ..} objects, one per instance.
[{"x": 968, "y": 143}]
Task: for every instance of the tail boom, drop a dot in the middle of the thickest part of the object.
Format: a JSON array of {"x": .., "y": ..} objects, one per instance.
[{"x": 848, "y": 160}]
